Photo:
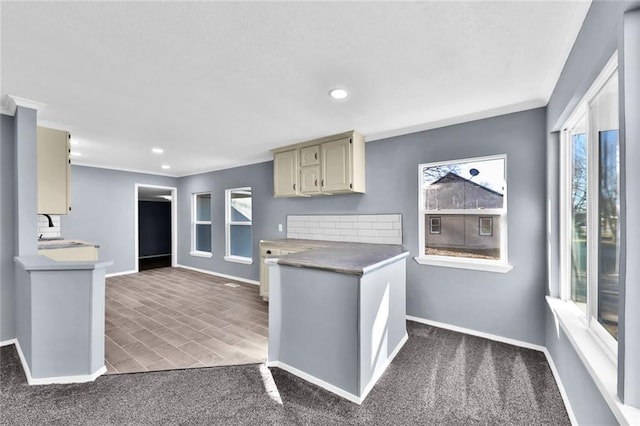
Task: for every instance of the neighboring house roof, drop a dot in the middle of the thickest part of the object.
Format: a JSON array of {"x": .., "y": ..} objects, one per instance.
[{"x": 452, "y": 177}]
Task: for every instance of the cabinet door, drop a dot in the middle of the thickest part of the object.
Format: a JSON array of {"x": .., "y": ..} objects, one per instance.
[
  {"x": 53, "y": 171},
  {"x": 265, "y": 251},
  {"x": 336, "y": 165},
  {"x": 285, "y": 174},
  {"x": 310, "y": 156},
  {"x": 310, "y": 180}
]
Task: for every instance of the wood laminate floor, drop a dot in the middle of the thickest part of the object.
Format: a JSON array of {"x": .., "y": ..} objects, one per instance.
[{"x": 170, "y": 318}]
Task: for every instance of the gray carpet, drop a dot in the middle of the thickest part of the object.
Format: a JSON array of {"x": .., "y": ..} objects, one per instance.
[{"x": 439, "y": 377}]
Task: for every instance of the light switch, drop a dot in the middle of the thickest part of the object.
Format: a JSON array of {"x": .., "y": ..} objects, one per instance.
[{"x": 279, "y": 227}]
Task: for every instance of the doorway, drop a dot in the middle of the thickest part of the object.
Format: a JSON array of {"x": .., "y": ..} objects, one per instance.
[{"x": 155, "y": 227}]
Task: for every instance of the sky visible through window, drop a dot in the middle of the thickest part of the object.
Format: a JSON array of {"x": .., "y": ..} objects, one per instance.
[{"x": 491, "y": 173}]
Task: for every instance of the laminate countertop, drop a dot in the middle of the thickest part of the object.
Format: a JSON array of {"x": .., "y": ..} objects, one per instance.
[
  {"x": 341, "y": 257},
  {"x": 63, "y": 244}
]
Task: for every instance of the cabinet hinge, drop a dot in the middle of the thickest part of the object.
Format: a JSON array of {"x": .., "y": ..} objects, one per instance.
[{"x": 69, "y": 161}]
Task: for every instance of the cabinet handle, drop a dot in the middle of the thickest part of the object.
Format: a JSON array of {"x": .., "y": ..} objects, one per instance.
[
  {"x": 294, "y": 186},
  {"x": 316, "y": 182},
  {"x": 268, "y": 251},
  {"x": 350, "y": 186},
  {"x": 315, "y": 155},
  {"x": 322, "y": 182}
]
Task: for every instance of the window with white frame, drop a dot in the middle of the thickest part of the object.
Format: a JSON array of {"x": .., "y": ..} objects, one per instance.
[
  {"x": 463, "y": 213},
  {"x": 590, "y": 206},
  {"x": 434, "y": 225},
  {"x": 201, "y": 224},
  {"x": 238, "y": 225}
]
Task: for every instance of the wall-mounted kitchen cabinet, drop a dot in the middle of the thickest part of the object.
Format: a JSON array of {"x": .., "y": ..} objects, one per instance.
[
  {"x": 286, "y": 179},
  {"x": 331, "y": 165},
  {"x": 54, "y": 171}
]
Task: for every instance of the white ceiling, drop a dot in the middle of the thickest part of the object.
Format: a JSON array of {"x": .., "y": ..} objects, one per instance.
[{"x": 220, "y": 84}]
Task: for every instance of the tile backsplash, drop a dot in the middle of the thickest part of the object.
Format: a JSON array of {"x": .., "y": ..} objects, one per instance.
[
  {"x": 370, "y": 228},
  {"x": 43, "y": 227}
]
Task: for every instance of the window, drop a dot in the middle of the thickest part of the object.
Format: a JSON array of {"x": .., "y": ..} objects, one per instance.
[
  {"x": 485, "y": 226},
  {"x": 463, "y": 214},
  {"x": 590, "y": 197},
  {"x": 238, "y": 225},
  {"x": 434, "y": 225},
  {"x": 201, "y": 225}
]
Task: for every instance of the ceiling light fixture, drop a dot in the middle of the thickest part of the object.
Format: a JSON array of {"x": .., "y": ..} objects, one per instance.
[
  {"x": 157, "y": 150},
  {"x": 338, "y": 94},
  {"x": 166, "y": 166},
  {"x": 75, "y": 154}
]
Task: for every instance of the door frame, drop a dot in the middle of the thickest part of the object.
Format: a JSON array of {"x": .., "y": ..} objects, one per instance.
[{"x": 174, "y": 223}]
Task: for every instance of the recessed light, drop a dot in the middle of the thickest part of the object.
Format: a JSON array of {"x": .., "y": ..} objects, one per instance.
[
  {"x": 166, "y": 166},
  {"x": 75, "y": 154},
  {"x": 338, "y": 93},
  {"x": 157, "y": 150}
]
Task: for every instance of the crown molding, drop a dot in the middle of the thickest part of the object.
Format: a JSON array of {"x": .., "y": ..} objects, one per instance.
[{"x": 13, "y": 102}]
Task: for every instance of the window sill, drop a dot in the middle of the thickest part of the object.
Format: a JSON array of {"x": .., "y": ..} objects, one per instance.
[
  {"x": 201, "y": 254},
  {"x": 475, "y": 264},
  {"x": 238, "y": 259},
  {"x": 601, "y": 367}
]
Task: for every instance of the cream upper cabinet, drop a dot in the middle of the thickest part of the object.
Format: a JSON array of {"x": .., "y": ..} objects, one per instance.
[
  {"x": 310, "y": 180},
  {"x": 310, "y": 156},
  {"x": 336, "y": 170},
  {"x": 54, "y": 171},
  {"x": 286, "y": 174},
  {"x": 330, "y": 165}
]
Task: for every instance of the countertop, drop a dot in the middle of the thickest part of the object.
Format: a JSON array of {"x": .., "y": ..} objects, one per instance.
[
  {"x": 63, "y": 243},
  {"x": 43, "y": 263},
  {"x": 341, "y": 257}
]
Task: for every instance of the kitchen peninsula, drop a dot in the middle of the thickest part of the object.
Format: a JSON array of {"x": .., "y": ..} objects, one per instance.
[
  {"x": 60, "y": 319},
  {"x": 337, "y": 314}
]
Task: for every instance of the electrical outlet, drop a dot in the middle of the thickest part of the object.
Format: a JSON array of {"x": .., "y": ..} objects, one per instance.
[{"x": 279, "y": 227}]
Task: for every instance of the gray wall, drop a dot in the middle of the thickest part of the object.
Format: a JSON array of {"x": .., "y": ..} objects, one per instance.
[
  {"x": 103, "y": 207},
  {"x": 509, "y": 305},
  {"x": 599, "y": 37},
  {"x": 586, "y": 400},
  {"x": 7, "y": 224}
]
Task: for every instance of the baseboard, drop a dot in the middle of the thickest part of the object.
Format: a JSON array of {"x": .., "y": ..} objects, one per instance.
[
  {"x": 55, "y": 380},
  {"x": 115, "y": 274},
  {"x": 563, "y": 392},
  {"x": 476, "y": 333},
  {"x": 217, "y": 274},
  {"x": 8, "y": 342},
  {"x": 318, "y": 382},
  {"x": 336, "y": 390},
  {"x": 380, "y": 372}
]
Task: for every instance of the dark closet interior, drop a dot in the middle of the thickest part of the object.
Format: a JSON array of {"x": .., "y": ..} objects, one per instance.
[{"x": 154, "y": 234}]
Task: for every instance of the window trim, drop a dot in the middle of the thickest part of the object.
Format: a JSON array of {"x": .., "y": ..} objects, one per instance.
[
  {"x": 227, "y": 227},
  {"x": 582, "y": 111},
  {"x": 195, "y": 222},
  {"x": 501, "y": 265}
]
